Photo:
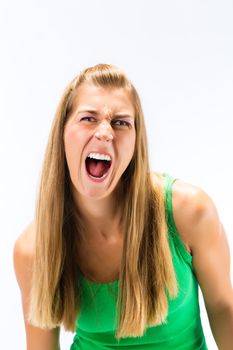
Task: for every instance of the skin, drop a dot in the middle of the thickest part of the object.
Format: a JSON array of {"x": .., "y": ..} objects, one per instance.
[
  {"x": 103, "y": 122},
  {"x": 194, "y": 212}
]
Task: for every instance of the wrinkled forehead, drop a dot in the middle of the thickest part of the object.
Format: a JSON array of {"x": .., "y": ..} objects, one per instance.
[{"x": 107, "y": 99}]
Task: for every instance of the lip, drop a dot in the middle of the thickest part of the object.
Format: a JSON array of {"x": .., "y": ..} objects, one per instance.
[{"x": 108, "y": 173}]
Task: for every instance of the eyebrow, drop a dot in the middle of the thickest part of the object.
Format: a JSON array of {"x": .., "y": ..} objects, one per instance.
[
  {"x": 123, "y": 115},
  {"x": 94, "y": 111},
  {"x": 87, "y": 110}
]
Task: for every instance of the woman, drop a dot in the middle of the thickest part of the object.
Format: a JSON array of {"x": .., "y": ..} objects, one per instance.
[{"x": 116, "y": 252}]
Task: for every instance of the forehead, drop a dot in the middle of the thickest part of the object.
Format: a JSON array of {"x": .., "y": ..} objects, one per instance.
[{"x": 108, "y": 99}]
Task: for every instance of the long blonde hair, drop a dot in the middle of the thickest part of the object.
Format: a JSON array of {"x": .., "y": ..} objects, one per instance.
[{"x": 147, "y": 274}]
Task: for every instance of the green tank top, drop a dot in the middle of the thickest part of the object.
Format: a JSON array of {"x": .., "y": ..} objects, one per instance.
[{"x": 95, "y": 326}]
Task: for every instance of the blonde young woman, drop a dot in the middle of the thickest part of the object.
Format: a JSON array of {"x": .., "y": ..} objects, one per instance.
[{"x": 115, "y": 252}]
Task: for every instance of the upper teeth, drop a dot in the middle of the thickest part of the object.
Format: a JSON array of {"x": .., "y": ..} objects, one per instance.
[{"x": 99, "y": 156}]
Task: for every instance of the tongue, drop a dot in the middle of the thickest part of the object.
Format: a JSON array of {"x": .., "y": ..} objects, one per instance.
[{"x": 97, "y": 168}]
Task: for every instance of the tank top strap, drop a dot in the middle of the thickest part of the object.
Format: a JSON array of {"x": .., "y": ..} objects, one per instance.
[{"x": 174, "y": 236}]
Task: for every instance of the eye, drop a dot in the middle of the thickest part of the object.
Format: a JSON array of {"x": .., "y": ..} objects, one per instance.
[
  {"x": 88, "y": 119},
  {"x": 121, "y": 123}
]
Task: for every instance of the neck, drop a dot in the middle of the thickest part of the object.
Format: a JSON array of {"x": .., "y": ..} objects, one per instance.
[{"x": 100, "y": 217}]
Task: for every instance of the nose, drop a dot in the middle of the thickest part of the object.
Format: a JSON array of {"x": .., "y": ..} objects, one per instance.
[{"x": 104, "y": 132}]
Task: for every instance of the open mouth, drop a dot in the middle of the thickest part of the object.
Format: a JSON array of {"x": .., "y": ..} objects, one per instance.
[{"x": 98, "y": 165}]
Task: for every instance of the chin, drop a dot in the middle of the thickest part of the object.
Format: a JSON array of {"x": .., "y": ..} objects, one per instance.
[{"x": 95, "y": 191}]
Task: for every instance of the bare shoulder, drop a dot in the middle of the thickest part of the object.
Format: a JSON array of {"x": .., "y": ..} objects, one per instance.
[
  {"x": 200, "y": 228},
  {"x": 23, "y": 255},
  {"x": 193, "y": 209},
  {"x": 24, "y": 249},
  {"x": 190, "y": 198},
  {"x": 25, "y": 243},
  {"x": 186, "y": 198}
]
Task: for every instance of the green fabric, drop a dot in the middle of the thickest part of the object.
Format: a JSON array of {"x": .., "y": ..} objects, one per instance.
[{"x": 183, "y": 329}]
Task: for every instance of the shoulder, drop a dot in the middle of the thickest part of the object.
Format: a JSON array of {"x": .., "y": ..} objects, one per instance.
[
  {"x": 195, "y": 214},
  {"x": 192, "y": 200},
  {"x": 23, "y": 254},
  {"x": 24, "y": 248},
  {"x": 25, "y": 243},
  {"x": 199, "y": 226},
  {"x": 184, "y": 195}
]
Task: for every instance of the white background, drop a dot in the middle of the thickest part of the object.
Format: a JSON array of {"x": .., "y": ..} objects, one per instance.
[{"x": 179, "y": 55}]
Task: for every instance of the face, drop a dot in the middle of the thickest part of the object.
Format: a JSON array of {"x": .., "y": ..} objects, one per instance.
[{"x": 99, "y": 139}]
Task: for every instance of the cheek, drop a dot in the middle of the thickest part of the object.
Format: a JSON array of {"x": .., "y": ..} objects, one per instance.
[
  {"x": 73, "y": 141},
  {"x": 127, "y": 145},
  {"x": 69, "y": 141},
  {"x": 130, "y": 144},
  {"x": 72, "y": 145}
]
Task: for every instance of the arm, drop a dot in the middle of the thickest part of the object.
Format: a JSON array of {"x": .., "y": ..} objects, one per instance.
[
  {"x": 37, "y": 338},
  {"x": 198, "y": 222}
]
